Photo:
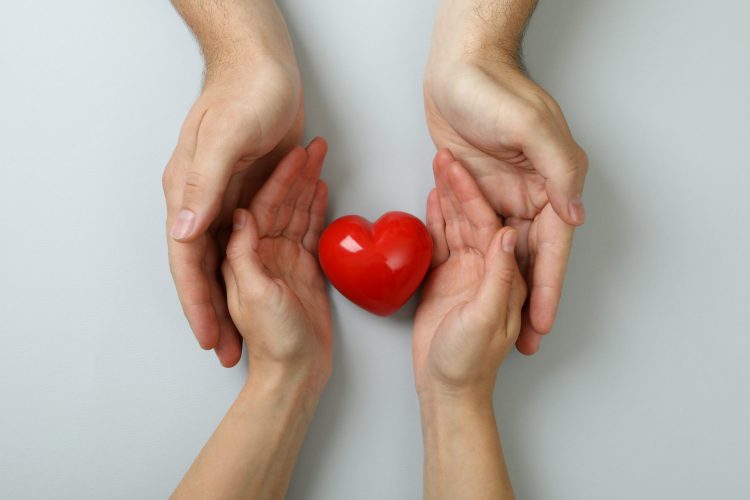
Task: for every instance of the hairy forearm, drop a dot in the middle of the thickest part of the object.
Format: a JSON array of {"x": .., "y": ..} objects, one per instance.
[
  {"x": 237, "y": 32},
  {"x": 463, "y": 456},
  {"x": 253, "y": 451},
  {"x": 486, "y": 27}
]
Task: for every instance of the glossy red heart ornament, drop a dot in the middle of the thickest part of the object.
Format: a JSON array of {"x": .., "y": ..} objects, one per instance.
[{"x": 378, "y": 266}]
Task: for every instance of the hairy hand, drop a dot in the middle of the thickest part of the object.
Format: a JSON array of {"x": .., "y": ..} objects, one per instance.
[
  {"x": 245, "y": 120},
  {"x": 512, "y": 137}
]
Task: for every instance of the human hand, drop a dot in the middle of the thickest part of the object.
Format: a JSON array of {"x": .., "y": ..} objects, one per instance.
[
  {"x": 248, "y": 116},
  {"x": 276, "y": 292},
  {"x": 514, "y": 140},
  {"x": 469, "y": 314},
  {"x": 277, "y": 298}
]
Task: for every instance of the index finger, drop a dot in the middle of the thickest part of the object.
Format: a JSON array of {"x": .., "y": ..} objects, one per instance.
[
  {"x": 553, "y": 239},
  {"x": 186, "y": 261}
]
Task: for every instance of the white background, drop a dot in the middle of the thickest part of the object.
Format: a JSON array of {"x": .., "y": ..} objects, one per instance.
[{"x": 640, "y": 392}]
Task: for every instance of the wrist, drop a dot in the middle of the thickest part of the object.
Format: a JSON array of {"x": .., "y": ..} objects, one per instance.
[
  {"x": 299, "y": 381},
  {"x": 251, "y": 71},
  {"x": 480, "y": 31},
  {"x": 454, "y": 404},
  {"x": 280, "y": 396},
  {"x": 238, "y": 33}
]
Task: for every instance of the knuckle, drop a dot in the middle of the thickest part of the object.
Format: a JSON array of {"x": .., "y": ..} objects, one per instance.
[
  {"x": 532, "y": 115},
  {"x": 234, "y": 252},
  {"x": 569, "y": 163},
  {"x": 195, "y": 182},
  {"x": 506, "y": 276}
]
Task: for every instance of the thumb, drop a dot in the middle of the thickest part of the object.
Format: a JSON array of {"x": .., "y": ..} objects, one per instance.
[
  {"x": 564, "y": 165},
  {"x": 500, "y": 272},
  {"x": 242, "y": 251},
  {"x": 202, "y": 193}
]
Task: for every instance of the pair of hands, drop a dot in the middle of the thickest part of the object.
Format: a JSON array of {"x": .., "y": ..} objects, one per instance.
[
  {"x": 467, "y": 320},
  {"x": 507, "y": 131},
  {"x": 470, "y": 311}
]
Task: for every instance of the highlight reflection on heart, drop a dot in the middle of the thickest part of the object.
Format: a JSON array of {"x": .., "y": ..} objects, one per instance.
[{"x": 379, "y": 265}]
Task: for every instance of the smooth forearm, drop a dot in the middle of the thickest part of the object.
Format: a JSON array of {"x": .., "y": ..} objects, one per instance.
[
  {"x": 253, "y": 451},
  {"x": 236, "y": 32},
  {"x": 463, "y": 456}
]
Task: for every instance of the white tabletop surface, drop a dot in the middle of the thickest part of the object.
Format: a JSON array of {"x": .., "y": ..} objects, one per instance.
[{"x": 640, "y": 392}]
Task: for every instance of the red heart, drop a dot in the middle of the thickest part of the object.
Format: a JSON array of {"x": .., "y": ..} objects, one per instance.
[{"x": 377, "y": 266}]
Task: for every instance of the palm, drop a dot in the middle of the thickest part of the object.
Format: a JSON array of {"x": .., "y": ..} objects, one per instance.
[
  {"x": 476, "y": 118},
  {"x": 461, "y": 313},
  {"x": 299, "y": 283},
  {"x": 511, "y": 185},
  {"x": 440, "y": 318},
  {"x": 289, "y": 212}
]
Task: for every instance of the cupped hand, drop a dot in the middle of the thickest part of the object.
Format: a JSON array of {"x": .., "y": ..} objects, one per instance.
[
  {"x": 469, "y": 314},
  {"x": 245, "y": 120},
  {"x": 276, "y": 292},
  {"x": 512, "y": 137}
]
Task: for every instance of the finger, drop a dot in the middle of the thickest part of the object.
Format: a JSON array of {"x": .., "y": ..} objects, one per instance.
[
  {"x": 230, "y": 283},
  {"x": 553, "y": 239},
  {"x": 516, "y": 305},
  {"x": 203, "y": 185},
  {"x": 501, "y": 271},
  {"x": 317, "y": 220},
  {"x": 451, "y": 216},
  {"x": 288, "y": 206},
  {"x": 481, "y": 220},
  {"x": 523, "y": 226},
  {"x": 242, "y": 253},
  {"x": 270, "y": 199},
  {"x": 463, "y": 225},
  {"x": 229, "y": 346},
  {"x": 186, "y": 261},
  {"x": 436, "y": 228},
  {"x": 529, "y": 339},
  {"x": 230, "y": 352},
  {"x": 299, "y": 220},
  {"x": 563, "y": 164}
]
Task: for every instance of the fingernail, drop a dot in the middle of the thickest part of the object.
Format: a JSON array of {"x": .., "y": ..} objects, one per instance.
[
  {"x": 577, "y": 212},
  {"x": 183, "y": 226},
  {"x": 238, "y": 220},
  {"x": 509, "y": 241}
]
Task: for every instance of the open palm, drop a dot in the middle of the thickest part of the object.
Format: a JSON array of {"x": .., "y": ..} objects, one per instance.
[
  {"x": 469, "y": 313},
  {"x": 513, "y": 139},
  {"x": 276, "y": 291}
]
